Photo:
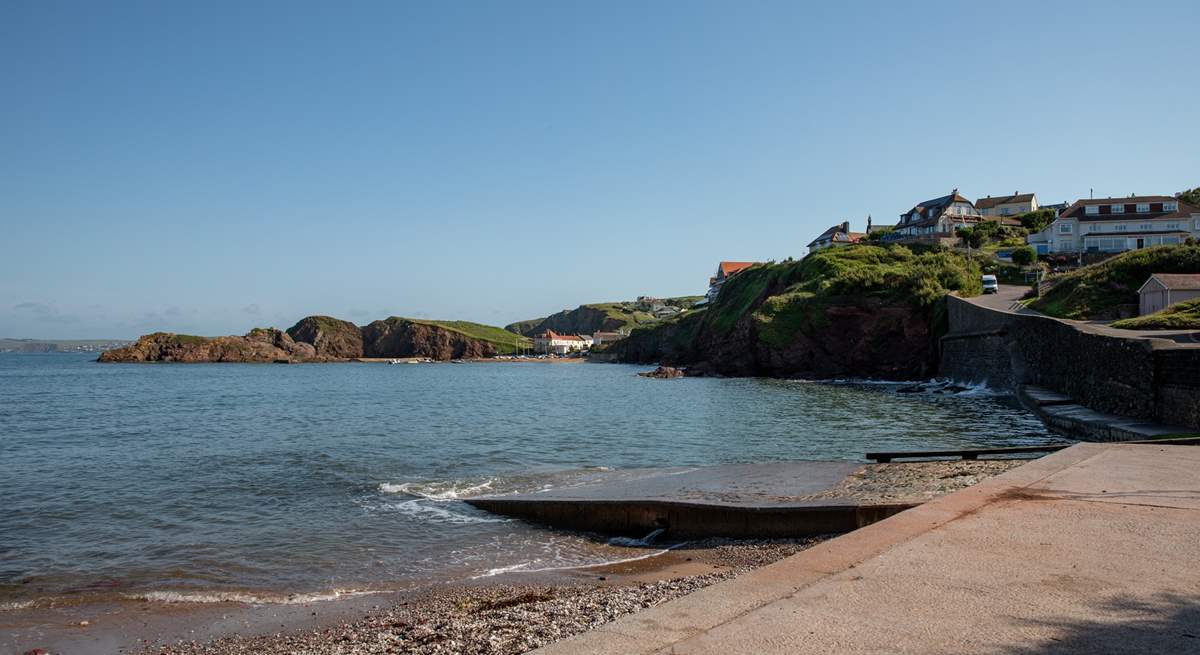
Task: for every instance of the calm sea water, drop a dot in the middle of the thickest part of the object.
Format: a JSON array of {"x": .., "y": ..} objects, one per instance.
[{"x": 228, "y": 481}]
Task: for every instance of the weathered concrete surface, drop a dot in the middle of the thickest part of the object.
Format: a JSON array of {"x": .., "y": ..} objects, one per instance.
[
  {"x": 1089, "y": 550},
  {"x": 739, "y": 500}
]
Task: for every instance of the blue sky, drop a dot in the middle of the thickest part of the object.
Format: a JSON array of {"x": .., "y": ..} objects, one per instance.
[{"x": 209, "y": 167}]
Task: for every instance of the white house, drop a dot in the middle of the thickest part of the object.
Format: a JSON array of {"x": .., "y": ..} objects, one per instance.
[
  {"x": 938, "y": 218},
  {"x": 838, "y": 235},
  {"x": 1017, "y": 203},
  {"x": 550, "y": 342},
  {"x": 1118, "y": 224},
  {"x": 599, "y": 337},
  {"x": 1165, "y": 289}
]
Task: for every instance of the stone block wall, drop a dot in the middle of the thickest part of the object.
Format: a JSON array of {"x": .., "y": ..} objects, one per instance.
[{"x": 1114, "y": 375}]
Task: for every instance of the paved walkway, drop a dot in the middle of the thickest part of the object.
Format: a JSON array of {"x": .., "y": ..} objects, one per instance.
[
  {"x": 1090, "y": 550},
  {"x": 1006, "y": 300}
]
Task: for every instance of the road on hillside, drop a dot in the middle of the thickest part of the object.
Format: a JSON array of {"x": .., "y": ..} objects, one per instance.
[{"x": 1007, "y": 297}]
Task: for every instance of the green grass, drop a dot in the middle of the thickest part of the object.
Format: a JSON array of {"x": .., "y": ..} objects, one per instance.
[
  {"x": 846, "y": 276},
  {"x": 1097, "y": 290},
  {"x": 1180, "y": 316},
  {"x": 505, "y": 342}
]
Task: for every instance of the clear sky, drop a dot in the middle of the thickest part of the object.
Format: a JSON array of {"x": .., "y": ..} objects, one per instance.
[{"x": 206, "y": 167}]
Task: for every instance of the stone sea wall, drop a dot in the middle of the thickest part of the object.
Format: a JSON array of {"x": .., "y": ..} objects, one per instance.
[{"x": 1134, "y": 378}]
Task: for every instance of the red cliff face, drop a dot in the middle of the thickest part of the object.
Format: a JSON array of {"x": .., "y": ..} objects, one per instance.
[
  {"x": 396, "y": 337},
  {"x": 259, "y": 345},
  {"x": 330, "y": 337},
  {"x": 853, "y": 338}
]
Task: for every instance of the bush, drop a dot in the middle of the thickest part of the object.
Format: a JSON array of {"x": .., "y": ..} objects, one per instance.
[{"x": 1024, "y": 256}]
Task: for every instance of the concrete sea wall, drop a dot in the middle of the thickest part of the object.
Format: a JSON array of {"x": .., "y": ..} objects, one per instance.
[{"x": 1148, "y": 379}]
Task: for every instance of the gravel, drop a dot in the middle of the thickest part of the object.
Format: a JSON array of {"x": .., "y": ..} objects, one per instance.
[{"x": 501, "y": 619}]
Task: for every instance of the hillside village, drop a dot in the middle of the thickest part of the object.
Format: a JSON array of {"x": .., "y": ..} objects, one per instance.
[{"x": 1017, "y": 238}]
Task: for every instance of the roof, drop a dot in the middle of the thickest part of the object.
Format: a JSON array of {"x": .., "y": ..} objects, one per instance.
[
  {"x": 832, "y": 233},
  {"x": 725, "y": 269},
  {"x": 1176, "y": 281},
  {"x": 551, "y": 334},
  {"x": 990, "y": 201},
  {"x": 1076, "y": 210},
  {"x": 936, "y": 204}
]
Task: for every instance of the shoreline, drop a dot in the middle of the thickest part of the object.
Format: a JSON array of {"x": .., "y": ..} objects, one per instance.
[
  {"x": 528, "y": 609},
  {"x": 468, "y": 612}
]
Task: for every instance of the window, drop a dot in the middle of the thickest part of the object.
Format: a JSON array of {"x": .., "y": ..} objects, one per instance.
[
  {"x": 1121, "y": 228},
  {"x": 1092, "y": 209},
  {"x": 1170, "y": 241},
  {"x": 1143, "y": 208},
  {"x": 1172, "y": 226},
  {"x": 1170, "y": 206},
  {"x": 1146, "y": 227},
  {"x": 1117, "y": 209},
  {"x": 1064, "y": 228}
]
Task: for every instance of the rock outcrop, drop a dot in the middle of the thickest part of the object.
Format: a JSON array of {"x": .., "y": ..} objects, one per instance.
[
  {"x": 259, "y": 345},
  {"x": 330, "y": 337},
  {"x": 663, "y": 373},
  {"x": 399, "y": 337}
]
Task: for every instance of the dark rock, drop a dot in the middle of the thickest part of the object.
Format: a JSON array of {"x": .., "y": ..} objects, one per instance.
[
  {"x": 399, "y": 337},
  {"x": 329, "y": 337},
  {"x": 663, "y": 372}
]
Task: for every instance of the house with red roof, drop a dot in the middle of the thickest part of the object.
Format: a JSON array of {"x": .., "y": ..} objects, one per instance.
[
  {"x": 725, "y": 270},
  {"x": 553, "y": 343}
]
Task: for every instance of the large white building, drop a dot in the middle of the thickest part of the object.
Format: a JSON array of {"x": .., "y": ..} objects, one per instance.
[
  {"x": 553, "y": 343},
  {"x": 1118, "y": 224}
]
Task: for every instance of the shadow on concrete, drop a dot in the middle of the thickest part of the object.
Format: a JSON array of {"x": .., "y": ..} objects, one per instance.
[{"x": 1169, "y": 623}]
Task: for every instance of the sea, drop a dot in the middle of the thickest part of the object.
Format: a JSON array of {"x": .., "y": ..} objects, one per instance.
[{"x": 293, "y": 483}]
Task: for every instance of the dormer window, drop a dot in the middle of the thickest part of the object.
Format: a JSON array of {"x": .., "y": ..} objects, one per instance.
[
  {"x": 1117, "y": 209},
  {"x": 1092, "y": 209},
  {"x": 1143, "y": 208},
  {"x": 1170, "y": 206}
]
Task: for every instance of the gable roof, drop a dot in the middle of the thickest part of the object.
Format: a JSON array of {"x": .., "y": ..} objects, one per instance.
[
  {"x": 551, "y": 334},
  {"x": 990, "y": 202},
  {"x": 937, "y": 204},
  {"x": 1076, "y": 210},
  {"x": 1175, "y": 281},
  {"x": 725, "y": 269}
]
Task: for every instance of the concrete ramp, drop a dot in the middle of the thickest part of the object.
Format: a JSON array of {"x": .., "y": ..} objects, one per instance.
[
  {"x": 785, "y": 499},
  {"x": 1090, "y": 550}
]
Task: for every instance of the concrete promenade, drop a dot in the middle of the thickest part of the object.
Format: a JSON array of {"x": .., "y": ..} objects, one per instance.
[{"x": 1093, "y": 549}]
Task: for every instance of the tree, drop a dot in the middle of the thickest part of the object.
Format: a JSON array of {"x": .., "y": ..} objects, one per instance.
[
  {"x": 1191, "y": 196},
  {"x": 1036, "y": 221},
  {"x": 1024, "y": 256}
]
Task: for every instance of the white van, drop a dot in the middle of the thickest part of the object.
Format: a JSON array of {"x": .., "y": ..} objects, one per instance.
[{"x": 990, "y": 284}]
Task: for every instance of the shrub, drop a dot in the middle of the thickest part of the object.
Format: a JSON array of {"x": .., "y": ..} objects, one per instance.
[{"x": 1024, "y": 256}]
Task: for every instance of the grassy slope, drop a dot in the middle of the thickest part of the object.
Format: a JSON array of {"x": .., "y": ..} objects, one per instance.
[
  {"x": 801, "y": 289},
  {"x": 620, "y": 311},
  {"x": 505, "y": 341},
  {"x": 841, "y": 276},
  {"x": 1095, "y": 290},
  {"x": 1180, "y": 316}
]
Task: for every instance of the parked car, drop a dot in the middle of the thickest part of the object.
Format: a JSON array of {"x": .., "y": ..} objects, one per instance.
[{"x": 991, "y": 284}]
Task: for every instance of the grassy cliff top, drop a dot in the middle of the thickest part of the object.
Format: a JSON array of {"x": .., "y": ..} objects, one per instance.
[
  {"x": 625, "y": 313},
  {"x": 1096, "y": 290},
  {"x": 1180, "y": 316},
  {"x": 799, "y": 289},
  {"x": 505, "y": 341}
]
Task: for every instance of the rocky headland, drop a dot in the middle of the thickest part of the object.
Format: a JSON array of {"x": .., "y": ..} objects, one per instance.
[
  {"x": 864, "y": 311},
  {"x": 326, "y": 339}
]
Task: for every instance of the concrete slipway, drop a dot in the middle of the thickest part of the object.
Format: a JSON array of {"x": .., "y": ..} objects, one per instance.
[
  {"x": 1094, "y": 549},
  {"x": 781, "y": 499}
]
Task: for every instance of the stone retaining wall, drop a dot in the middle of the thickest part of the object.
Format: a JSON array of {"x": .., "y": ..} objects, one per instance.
[{"x": 1134, "y": 378}]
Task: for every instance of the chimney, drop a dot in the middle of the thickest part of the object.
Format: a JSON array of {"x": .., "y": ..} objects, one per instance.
[{"x": 846, "y": 227}]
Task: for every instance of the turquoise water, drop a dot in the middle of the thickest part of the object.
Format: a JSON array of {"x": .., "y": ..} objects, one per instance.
[{"x": 219, "y": 481}]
